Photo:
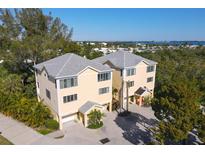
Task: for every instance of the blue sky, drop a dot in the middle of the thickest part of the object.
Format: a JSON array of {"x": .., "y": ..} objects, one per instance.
[{"x": 133, "y": 24}]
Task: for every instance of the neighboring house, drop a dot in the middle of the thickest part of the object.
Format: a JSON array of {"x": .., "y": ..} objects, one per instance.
[
  {"x": 133, "y": 76},
  {"x": 71, "y": 85}
]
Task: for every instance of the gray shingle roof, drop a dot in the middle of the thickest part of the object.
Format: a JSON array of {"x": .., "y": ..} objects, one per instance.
[
  {"x": 122, "y": 59},
  {"x": 87, "y": 106},
  {"x": 68, "y": 65},
  {"x": 141, "y": 90}
]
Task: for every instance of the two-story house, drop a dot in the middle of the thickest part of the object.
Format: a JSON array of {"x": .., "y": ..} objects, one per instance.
[
  {"x": 133, "y": 76},
  {"x": 71, "y": 86}
]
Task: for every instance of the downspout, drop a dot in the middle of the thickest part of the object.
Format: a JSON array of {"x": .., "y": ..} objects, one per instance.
[
  {"x": 127, "y": 94},
  {"x": 37, "y": 88},
  {"x": 58, "y": 104}
]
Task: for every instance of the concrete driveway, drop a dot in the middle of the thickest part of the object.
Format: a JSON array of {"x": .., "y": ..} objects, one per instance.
[
  {"x": 76, "y": 133},
  {"x": 133, "y": 129}
]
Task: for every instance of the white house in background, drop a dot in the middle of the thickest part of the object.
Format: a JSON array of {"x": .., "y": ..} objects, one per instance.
[{"x": 104, "y": 43}]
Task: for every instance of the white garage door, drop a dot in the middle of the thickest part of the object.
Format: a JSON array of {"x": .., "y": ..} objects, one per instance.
[{"x": 70, "y": 118}]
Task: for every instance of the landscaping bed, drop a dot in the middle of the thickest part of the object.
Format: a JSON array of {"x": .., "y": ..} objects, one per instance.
[
  {"x": 4, "y": 141},
  {"x": 96, "y": 126},
  {"x": 50, "y": 126}
]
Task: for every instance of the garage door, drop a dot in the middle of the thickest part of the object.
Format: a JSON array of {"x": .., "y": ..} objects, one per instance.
[{"x": 68, "y": 118}]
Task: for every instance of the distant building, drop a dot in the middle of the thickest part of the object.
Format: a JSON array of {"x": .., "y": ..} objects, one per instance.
[
  {"x": 91, "y": 43},
  {"x": 104, "y": 43}
]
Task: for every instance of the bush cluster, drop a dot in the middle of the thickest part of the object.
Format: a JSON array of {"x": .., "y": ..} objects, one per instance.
[
  {"x": 29, "y": 111},
  {"x": 52, "y": 124}
]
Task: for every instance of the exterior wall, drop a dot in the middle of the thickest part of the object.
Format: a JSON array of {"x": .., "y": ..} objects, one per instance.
[
  {"x": 87, "y": 90},
  {"x": 117, "y": 81},
  {"x": 44, "y": 84},
  {"x": 140, "y": 79}
]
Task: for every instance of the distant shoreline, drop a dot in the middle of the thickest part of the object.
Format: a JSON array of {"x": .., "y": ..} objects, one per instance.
[{"x": 152, "y": 42}]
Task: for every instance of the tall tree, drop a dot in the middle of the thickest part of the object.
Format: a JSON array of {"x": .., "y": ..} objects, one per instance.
[
  {"x": 179, "y": 92},
  {"x": 177, "y": 108},
  {"x": 32, "y": 35}
]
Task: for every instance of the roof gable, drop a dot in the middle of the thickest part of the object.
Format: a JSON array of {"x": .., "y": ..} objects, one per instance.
[
  {"x": 69, "y": 65},
  {"x": 85, "y": 108},
  {"x": 123, "y": 59}
]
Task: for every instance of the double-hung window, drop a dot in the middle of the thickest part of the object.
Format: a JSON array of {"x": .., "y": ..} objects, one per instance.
[
  {"x": 68, "y": 82},
  {"x": 104, "y": 76},
  {"x": 150, "y": 79},
  {"x": 70, "y": 98},
  {"x": 104, "y": 90},
  {"x": 131, "y": 72},
  {"x": 130, "y": 83}
]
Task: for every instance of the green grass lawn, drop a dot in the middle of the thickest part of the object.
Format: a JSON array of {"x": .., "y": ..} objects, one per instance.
[
  {"x": 45, "y": 131},
  {"x": 4, "y": 141}
]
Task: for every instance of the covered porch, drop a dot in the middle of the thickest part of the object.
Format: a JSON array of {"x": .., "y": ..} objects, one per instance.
[
  {"x": 140, "y": 95},
  {"x": 86, "y": 108}
]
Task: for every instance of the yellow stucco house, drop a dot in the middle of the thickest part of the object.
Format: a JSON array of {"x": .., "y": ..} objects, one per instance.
[
  {"x": 71, "y": 86},
  {"x": 133, "y": 76}
]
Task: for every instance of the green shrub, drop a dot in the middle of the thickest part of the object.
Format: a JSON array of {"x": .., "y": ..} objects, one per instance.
[
  {"x": 132, "y": 98},
  {"x": 18, "y": 103},
  {"x": 29, "y": 111},
  {"x": 95, "y": 119},
  {"x": 95, "y": 126},
  {"x": 52, "y": 124},
  {"x": 44, "y": 131},
  {"x": 4, "y": 141},
  {"x": 147, "y": 100}
]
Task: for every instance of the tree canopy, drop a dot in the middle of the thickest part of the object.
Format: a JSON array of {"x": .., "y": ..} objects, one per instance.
[
  {"x": 179, "y": 92},
  {"x": 28, "y": 37}
]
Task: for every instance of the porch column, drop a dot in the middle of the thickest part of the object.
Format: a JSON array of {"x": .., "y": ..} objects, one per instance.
[
  {"x": 85, "y": 120},
  {"x": 140, "y": 102},
  {"x": 60, "y": 123},
  {"x": 110, "y": 107}
]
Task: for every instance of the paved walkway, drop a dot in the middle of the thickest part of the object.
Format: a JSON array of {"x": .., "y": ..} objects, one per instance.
[{"x": 17, "y": 132}]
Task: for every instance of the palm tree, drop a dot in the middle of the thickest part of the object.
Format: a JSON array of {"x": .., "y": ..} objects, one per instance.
[{"x": 114, "y": 92}]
